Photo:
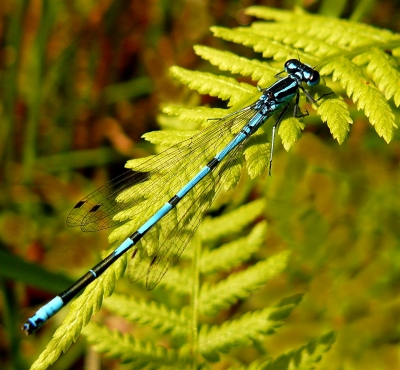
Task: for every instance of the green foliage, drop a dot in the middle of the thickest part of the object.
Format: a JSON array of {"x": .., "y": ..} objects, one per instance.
[
  {"x": 211, "y": 300},
  {"x": 302, "y": 358},
  {"x": 354, "y": 55},
  {"x": 127, "y": 349},
  {"x": 240, "y": 285},
  {"x": 364, "y": 93},
  {"x": 81, "y": 311},
  {"x": 225, "y": 88},
  {"x": 250, "y": 328}
]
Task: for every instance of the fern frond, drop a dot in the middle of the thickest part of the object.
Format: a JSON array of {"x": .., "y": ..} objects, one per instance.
[
  {"x": 149, "y": 313},
  {"x": 303, "y": 358},
  {"x": 198, "y": 114},
  {"x": 169, "y": 282},
  {"x": 306, "y": 356},
  {"x": 396, "y": 51},
  {"x": 129, "y": 350},
  {"x": 289, "y": 131},
  {"x": 335, "y": 112},
  {"x": 340, "y": 53},
  {"x": 347, "y": 33},
  {"x": 298, "y": 37},
  {"x": 167, "y": 122},
  {"x": 167, "y": 138},
  {"x": 227, "y": 61},
  {"x": 383, "y": 71},
  {"x": 80, "y": 313},
  {"x": 222, "y": 258},
  {"x": 267, "y": 13},
  {"x": 234, "y": 253},
  {"x": 252, "y": 326},
  {"x": 363, "y": 92},
  {"x": 240, "y": 285},
  {"x": 259, "y": 43},
  {"x": 225, "y": 88},
  {"x": 256, "y": 151},
  {"x": 231, "y": 223}
]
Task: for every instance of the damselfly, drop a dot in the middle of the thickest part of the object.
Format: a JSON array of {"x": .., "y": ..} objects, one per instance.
[{"x": 190, "y": 188}]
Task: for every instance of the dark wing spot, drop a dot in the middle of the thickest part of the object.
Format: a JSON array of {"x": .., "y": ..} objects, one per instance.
[
  {"x": 79, "y": 204},
  {"x": 95, "y": 208},
  {"x": 153, "y": 260}
]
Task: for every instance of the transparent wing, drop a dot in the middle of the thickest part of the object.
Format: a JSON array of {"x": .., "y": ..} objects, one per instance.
[
  {"x": 175, "y": 230},
  {"x": 157, "y": 179}
]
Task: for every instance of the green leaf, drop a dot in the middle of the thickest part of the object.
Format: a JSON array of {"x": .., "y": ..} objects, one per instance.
[
  {"x": 303, "y": 358},
  {"x": 383, "y": 71},
  {"x": 256, "y": 152},
  {"x": 241, "y": 284},
  {"x": 259, "y": 43},
  {"x": 167, "y": 138},
  {"x": 289, "y": 131},
  {"x": 150, "y": 313},
  {"x": 232, "y": 222},
  {"x": 335, "y": 112},
  {"x": 347, "y": 34},
  {"x": 252, "y": 326},
  {"x": 127, "y": 349},
  {"x": 234, "y": 253},
  {"x": 198, "y": 114},
  {"x": 225, "y": 88},
  {"x": 363, "y": 92},
  {"x": 81, "y": 311},
  {"x": 227, "y": 61},
  {"x": 13, "y": 267}
]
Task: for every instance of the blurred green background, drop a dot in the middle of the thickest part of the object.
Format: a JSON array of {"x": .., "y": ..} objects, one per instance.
[{"x": 82, "y": 80}]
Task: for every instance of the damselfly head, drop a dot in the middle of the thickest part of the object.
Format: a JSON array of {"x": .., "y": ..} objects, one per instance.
[{"x": 303, "y": 71}]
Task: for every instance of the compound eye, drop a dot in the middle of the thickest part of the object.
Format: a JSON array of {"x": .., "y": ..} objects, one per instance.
[
  {"x": 313, "y": 79},
  {"x": 291, "y": 65}
]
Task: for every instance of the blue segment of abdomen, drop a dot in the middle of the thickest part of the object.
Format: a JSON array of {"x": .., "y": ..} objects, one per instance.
[
  {"x": 125, "y": 245},
  {"x": 233, "y": 144},
  {"x": 258, "y": 120},
  {"x": 46, "y": 311},
  {"x": 247, "y": 130},
  {"x": 203, "y": 172},
  {"x": 154, "y": 219}
]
